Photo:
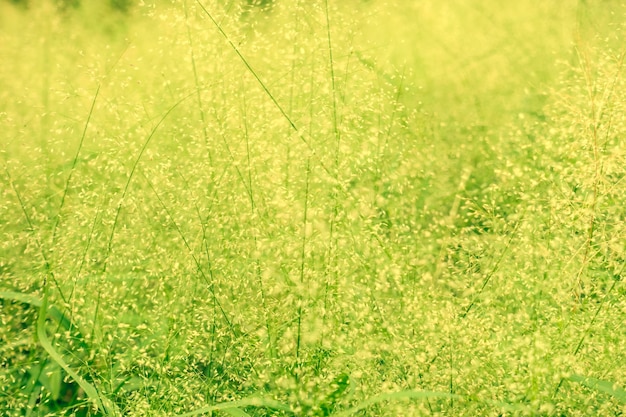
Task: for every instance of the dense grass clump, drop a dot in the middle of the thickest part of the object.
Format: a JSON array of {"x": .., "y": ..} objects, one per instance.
[{"x": 312, "y": 209}]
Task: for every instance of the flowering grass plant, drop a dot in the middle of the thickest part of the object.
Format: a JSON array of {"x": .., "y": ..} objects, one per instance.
[{"x": 322, "y": 208}]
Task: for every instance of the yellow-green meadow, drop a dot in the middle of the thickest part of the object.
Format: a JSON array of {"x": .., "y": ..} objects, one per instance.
[{"x": 312, "y": 208}]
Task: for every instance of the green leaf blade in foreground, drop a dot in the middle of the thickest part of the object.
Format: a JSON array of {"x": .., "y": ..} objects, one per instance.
[
  {"x": 53, "y": 311},
  {"x": 401, "y": 395},
  {"x": 236, "y": 412},
  {"x": 606, "y": 387},
  {"x": 233, "y": 407},
  {"x": 424, "y": 395},
  {"x": 90, "y": 390}
]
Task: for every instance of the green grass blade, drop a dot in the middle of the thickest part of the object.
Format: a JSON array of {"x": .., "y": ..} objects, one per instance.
[
  {"x": 401, "y": 395},
  {"x": 251, "y": 70},
  {"x": 53, "y": 312},
  {"x": 73, "y": 168},
  {"x": 89, "y": 389},
  {"x": 606, "y": 387},
  {"x": 210, "y": 284},
  {"x": 425, "y": 395},
  {"x": 228, "y": 407},
  {"x": 237, "y": 412},
  {"x": 131, "y": 174},
  {"x": 25, "y": 341},
  {"x": 31, "y": 229},
  {"x": 266, "y": 90}
]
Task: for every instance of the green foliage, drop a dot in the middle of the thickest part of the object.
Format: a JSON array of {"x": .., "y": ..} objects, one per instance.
[
  {"x": 600, "y": 385},
  {"x": 312, "y": 209}
]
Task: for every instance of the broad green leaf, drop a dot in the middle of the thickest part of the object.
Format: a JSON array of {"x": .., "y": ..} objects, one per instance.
[
  {"x": 600, "y": 385},
  {"x": 229, "y": 406},
  {"x": 89, "y": 389},
  {"x": 236, "y": 412},
  {"x": 15, "y": 344},
  {"x": 414, "y": 395},
  {"x": 51, "y": 378},
  {"x": 423, "y": 395},
  {"x": 340, "y": 384},
  {"x": 53, "y": 312}
]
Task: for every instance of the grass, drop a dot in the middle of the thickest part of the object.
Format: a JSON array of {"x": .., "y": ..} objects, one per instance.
[{"x": 313, "y": 209}]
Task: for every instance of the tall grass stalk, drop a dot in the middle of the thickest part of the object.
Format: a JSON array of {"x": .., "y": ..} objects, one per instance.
[
  {"x": 210, "y": 285},
  {"x": 302, "y": 290},
  {"x": 196, "y": 80},
  {"x": 264, "y": 87},
  {"x": 74, "y": 162},
  {"x": 319, "y": 209},
  {"x": 130, "y": 178}
]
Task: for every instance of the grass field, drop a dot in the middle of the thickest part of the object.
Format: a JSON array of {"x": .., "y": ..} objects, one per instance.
[{"x": 313, "y": 208}]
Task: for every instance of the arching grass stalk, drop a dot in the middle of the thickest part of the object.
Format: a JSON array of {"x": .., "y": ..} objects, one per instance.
[
  {"x": 205, "y": 133},
  {"x": 61, "y": 205},
  {"x": 101, "y": 403},
  {"x": 50, "y": 311},
  {"x": 302, "y": 265},
  {"x": 130, "y": 177},
  {"x": 210, "y": 284},
  {"x": 105, "y": 261},
  {"x": 234, "y": 407},
  {"x": 488, "y": 276},
  {"x": 600, "y": 385},
  {"x": 332, "y": 239},
  {"x": 452, "y": 216},
  {"x": 74, "y": 162},
  {"x": 254, "y": 210},
  {"x": 267, "y": 91},
  {"x": 106, "y": 406},
  {"x": 427, "y": 395},
  {"x": 332, "y": 88},
  {"x": 596, "y": 116},
  {"x": 209, "y": 258},
  {"x": 617, "y": 278},
  {"x": 80, "y": 147},
  {"x": 48, "y": 274}
]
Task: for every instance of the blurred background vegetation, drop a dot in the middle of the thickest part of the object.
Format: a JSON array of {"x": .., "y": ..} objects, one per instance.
[{"x": 466, "y": 159}]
